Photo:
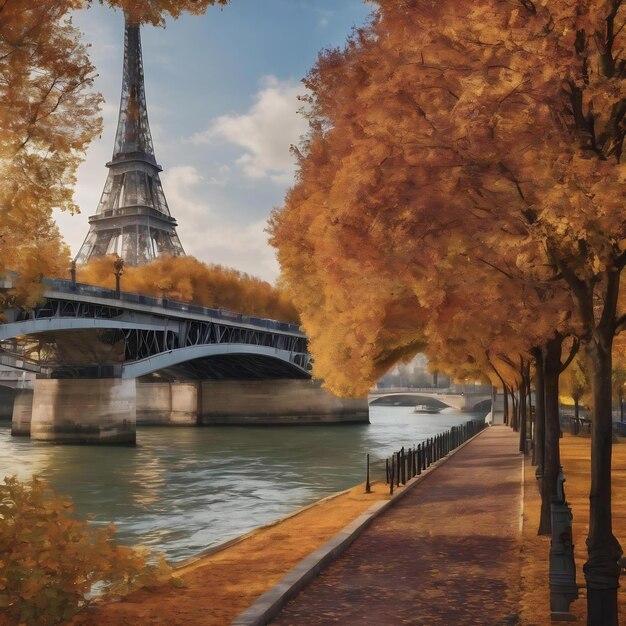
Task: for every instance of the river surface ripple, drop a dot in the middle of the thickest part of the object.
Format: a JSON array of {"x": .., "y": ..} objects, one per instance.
[{"x": 182, "y": 490}]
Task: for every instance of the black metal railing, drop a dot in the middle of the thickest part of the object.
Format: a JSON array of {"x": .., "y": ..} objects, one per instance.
[
  {"x": 67, "y": 286},
  {"x": 411, "y": 461}
]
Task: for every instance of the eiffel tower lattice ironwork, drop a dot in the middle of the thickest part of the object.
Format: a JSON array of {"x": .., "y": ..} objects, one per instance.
[{"x": 132, "y": 219}]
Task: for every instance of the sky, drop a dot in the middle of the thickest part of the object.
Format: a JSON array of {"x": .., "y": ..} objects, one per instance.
[{"x": 222, "y": 104}]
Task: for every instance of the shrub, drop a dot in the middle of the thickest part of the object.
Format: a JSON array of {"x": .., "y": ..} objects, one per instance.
[{"x": 50, "y": 561}]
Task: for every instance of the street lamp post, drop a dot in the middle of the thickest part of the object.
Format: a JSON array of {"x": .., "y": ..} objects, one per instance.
[
  {"x": 73, "y": 272},
  {"x": 119, "y": 270}
]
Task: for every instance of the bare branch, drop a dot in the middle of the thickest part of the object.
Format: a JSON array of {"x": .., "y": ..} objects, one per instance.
[
  {"x": 495, "y": 267},
  {"x": 572, "y": 353}
]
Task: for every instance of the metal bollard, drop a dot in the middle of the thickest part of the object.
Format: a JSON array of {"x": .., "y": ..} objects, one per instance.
[
  {"x": 563, "y": 587},
  {"x": 397, "y": 469}
]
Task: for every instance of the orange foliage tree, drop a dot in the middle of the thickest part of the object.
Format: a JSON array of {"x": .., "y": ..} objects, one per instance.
[
  {"x": 189, "y": 280},
  {"x": 446, "y": 136},
  {"x": 47, "y": 118},
  {"x": 51, "y": 561},
  {"x": 155, "y": 11}
]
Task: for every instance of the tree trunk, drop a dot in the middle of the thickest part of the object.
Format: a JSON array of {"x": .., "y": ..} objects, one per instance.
[
  {"x": 621, "y": 409},
  {"x": 601, "y": 569},
  {"x": 514, "y": 413},
  {"x": 523, "y": 418},
  {"x": 505, "y": 403},
  {"x": 576, "y": 407},
  {"x": 531, "y": 415},
  {"x": 596, "y": 300},
  {"x": 551, "y": 453},
  {"x": 540, "y": 413}
]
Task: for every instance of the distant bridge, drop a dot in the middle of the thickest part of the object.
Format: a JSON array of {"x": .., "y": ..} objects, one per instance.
[
  {"x": 460, "y": 397},
  {"x": 81, "y": 331}
]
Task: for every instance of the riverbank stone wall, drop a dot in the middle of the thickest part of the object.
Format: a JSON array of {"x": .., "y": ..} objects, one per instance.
[
  {"x": 172, "y": 404},
  {"x": 276, "y": 402}
]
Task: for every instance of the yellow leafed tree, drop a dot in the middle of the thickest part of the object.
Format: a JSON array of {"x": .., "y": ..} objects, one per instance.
[
  {"x": 448, "y": 135},
  {"x": 155, "y": 11},
  {"x": 48, "y": 115},
  {"x": 189, "y": 280}
]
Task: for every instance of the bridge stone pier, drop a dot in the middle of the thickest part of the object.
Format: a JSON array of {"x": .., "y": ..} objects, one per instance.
[
  {"x": 77, "y": 411},
  {"x": 22, "y": 413},
  {"x": 172, "y": 404},
  {"x": 107, "y": 411}
]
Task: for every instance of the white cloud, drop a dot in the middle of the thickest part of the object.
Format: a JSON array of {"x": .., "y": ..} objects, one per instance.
[
  {"x": 209, "y": 235},
  {"x": 178, "y": 182},
  {"x": 265, "y": 131}
]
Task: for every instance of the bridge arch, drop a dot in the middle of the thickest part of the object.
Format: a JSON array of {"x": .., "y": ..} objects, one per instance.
[
  {"x": 33, "y": 327},
  {"x": 433, "y": 399},
  {"x": 459, "y": 401},
  {"x": 296, "y": 362},
  {"x": 481, "y": 405}
]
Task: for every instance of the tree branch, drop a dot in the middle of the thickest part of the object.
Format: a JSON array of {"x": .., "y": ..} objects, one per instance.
[
  {"x": 493, "y": 367},
  {"x": 528, "y": 213},
  {"x": 572, "y": 353},
  {"x": 495, "y": 267}
]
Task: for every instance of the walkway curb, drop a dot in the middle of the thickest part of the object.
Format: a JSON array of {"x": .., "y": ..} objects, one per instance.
[{"x": 269, "y": 605}]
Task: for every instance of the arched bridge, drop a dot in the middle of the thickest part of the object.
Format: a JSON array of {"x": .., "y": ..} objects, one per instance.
[
  {"x": 466, "y": 398},
  {"x": 81, "y": 331}
]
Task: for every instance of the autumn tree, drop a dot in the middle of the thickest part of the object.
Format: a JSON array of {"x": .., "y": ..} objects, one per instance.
[
  {"x": 188, "y": 280},
  {"x": 48, "y": 115},
  {"x": 51, "y": 560},
  {"x": 489, "y": 320},
  {"x": 155, "y": 11},
  {"x": 445, "y": 132}
]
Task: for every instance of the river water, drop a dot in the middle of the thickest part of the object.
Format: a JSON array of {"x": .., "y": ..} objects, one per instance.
[{"x": 181, "y": 490}]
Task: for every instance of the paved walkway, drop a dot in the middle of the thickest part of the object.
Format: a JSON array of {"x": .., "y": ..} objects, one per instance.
[{"x": 447, "y": 554}]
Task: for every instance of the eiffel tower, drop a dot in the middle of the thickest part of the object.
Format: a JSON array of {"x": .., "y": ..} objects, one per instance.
[{"x": 132, "y": 219}]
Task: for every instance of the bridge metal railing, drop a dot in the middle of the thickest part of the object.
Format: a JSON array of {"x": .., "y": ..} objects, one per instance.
[
  {"x": 411, "y": 461},
  {"x": 457, "y": 389},
  {"x": 71, "y": 288}
]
